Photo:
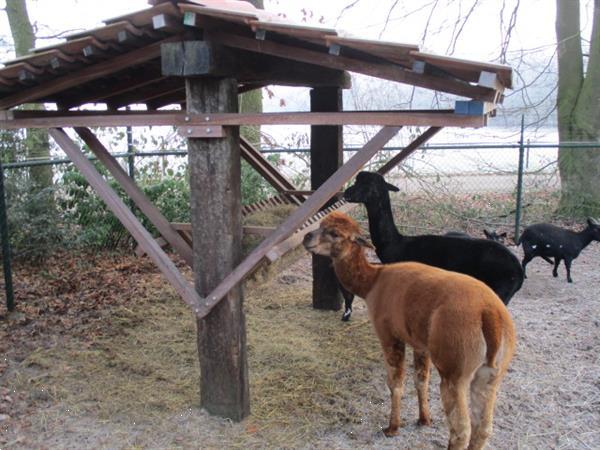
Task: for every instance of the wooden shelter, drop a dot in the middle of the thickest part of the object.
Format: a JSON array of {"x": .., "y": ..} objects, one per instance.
[{"x": 201, "y": 55}]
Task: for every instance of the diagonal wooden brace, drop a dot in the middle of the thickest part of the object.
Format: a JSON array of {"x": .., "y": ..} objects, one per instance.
[
  {"x": 135, "y": 193},
  {"x": 321, "y": 196},
  {"x": 129, "y": 221},
  {"x": 408, "y": 150},
  {"x": 255, "y": 158}
]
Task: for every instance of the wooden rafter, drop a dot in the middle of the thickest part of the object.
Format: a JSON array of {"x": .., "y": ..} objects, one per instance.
[
  {"x": 86, "y": 74},
  {"x": 386, "y": 71},
  {"x": 266, "y": 170}
]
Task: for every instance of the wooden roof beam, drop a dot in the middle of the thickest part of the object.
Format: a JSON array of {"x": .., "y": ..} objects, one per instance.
[
  {"x": 390, "y": 71},
  {"x": 45, "y": 119},
  {"x": 86, "y": 74}
]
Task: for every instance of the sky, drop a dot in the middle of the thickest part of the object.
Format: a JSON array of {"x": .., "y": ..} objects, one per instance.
[
  {"x": 479, "y": 38},
  {"x": 412, "y": 21}
]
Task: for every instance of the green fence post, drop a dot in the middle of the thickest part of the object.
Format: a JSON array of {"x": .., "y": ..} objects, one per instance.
[
  {"x": 520, "y": 180},
  {"x": 8, "y": 286}
]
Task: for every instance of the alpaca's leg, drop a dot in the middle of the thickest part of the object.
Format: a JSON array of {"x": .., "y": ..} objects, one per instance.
[
  {"x": 456, "y": 407},
  {"x": 394, "y": 359},
  {"x": 422, "y": 372},
  {"x": 483, "y": 397}
]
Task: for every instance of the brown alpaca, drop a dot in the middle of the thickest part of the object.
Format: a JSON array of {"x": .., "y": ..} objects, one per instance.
[{"x": 450, "y": 319}]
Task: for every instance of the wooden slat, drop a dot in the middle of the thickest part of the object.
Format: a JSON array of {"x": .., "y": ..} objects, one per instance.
[
  {"x": 129, "y": 221},
  {"x": 40, "y": 59},
  {"x": 449, "y": 63},
  {"x": 74, "y": 47},
  {"x": 386, "y": 71},
  {"x": 226, "y": 14},
  {"x": 107, "y": 32},
  {"x": 144, "y": 17},
  {"x": 392, "y": 51},
  {"x": 297, "y": 31},
  {"x": 266, "y": 169},
  {"x": 86, "y": 74},
  {"x": 45, "y": 119},
  {"x": 410, "y": 148},
  {"x": 135, "y": 193},
  {"x": 300, "y": 215}
]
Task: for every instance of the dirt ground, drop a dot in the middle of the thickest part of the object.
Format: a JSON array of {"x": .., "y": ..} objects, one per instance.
[{"x": 121, "y": 373}]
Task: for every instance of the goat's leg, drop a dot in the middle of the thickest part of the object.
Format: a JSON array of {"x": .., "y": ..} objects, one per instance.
[
  {"x": 483, "y": 397},
  {"x": 568, "y": 262},
  {"x": 394, "y": 362},
  {"x": 556, "y": 263},
  {"x": 524, "y": 263},
  {"x": 422, "y": 372},
  {"x": 456, "y": 407}
]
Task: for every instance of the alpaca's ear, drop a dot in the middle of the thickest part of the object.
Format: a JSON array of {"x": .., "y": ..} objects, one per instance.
[
  {"x": 391, "y": 187},
  {"x": 591, "y": 221},
  {"x": 487, "y": 233},
  {"x": 364, "y": 242}
]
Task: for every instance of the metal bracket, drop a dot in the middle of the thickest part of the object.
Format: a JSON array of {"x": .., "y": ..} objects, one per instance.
[{"x": 205, "y": 131}]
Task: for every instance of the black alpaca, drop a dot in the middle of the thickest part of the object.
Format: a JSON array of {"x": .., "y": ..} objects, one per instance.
[
  {"x": 546, "y": 241},
  {"x": 483, "y": 259}
]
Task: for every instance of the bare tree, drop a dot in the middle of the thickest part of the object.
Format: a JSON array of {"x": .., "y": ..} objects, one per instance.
[
  {"x": 578, "y": 105},
  {"x": 37, "y": 145}
]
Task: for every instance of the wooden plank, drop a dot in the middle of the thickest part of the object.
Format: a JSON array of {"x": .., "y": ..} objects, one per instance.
[
  {"x": 108, "y": 32},
  {"x": 410, "y": 148},
  {"x": 225, "y": 14},
  {"x": 266, "y": 169},
  {"x": 73, "y": 47},
  {"x": 300, "y": 215},
  {"x": 386, "y": 71},
  {"x": 215, "y": 200},
  {"x": 392, "y": 51},
  {"x": 446, "y": 62},
  {"x": 122, "y": 85},
  {"x": 144, "y": 17},
  {"x": 40, "y": 59},
  {"x": 86, "y": 74},
  {"x": 294, "y": 30},
  {"x": 135, "y": 193},
  {"x": 129, "y": 221},
  {"x": 45, "y": 119},
  {"x": 259, "y": 231}
]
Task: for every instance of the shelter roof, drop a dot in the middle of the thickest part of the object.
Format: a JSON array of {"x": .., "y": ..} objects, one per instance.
[{"x": 120, "y": 63}]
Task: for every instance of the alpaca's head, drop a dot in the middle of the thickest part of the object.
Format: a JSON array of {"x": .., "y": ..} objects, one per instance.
[
  {"x": 337, "y": 234},
  {"x": 368, "y": 187}
]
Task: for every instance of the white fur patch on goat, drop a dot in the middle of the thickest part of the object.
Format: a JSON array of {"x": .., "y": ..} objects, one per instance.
[{"x": 534, "y": 246}]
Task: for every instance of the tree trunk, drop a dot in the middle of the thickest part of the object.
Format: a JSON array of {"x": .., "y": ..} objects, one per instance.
[
  {"x": 578, "y": 107},
  {"x": 36, "y": 144}
]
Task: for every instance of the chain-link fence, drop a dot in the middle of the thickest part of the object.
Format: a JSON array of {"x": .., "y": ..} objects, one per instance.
[{"x": 467, "y": 188}]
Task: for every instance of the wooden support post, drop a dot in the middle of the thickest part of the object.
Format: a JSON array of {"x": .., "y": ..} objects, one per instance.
[
  {"x": 326, "y": 157},
  {"x": 217, "y": 233}
]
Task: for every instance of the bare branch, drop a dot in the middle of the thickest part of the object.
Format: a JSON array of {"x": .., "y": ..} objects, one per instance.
[{"x": 346, "y": 8}]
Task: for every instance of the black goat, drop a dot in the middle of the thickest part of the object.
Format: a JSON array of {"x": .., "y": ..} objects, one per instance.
[
  {"x": 546, "y": 240},
  {"x": 490, "y": 235},
  {"x": 485, "y": 260}
]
